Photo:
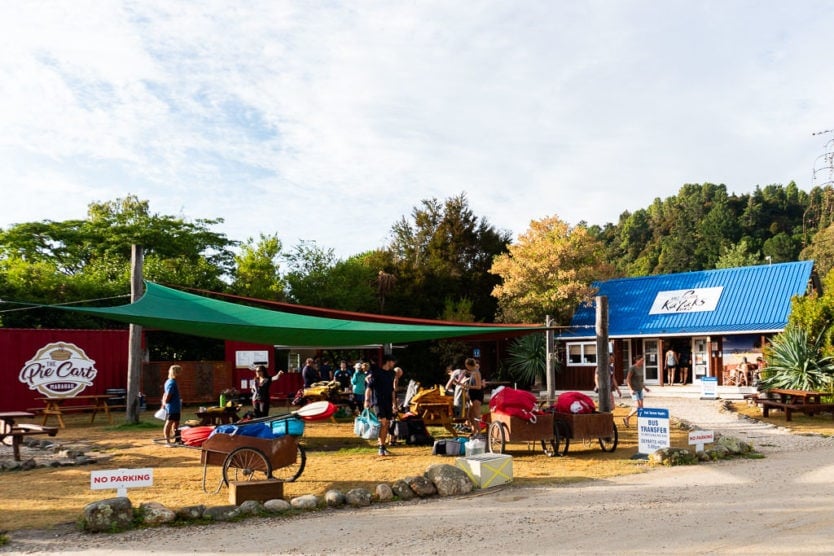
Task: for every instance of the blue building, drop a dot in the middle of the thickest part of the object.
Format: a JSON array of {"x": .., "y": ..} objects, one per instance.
[{"x": 710, "y": 319}]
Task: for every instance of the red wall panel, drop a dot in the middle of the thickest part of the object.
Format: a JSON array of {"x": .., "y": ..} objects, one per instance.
[{"x": 108, "y": 348}]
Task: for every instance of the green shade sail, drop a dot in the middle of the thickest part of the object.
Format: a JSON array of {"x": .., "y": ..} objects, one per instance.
[{"x": 186, "y": 313}]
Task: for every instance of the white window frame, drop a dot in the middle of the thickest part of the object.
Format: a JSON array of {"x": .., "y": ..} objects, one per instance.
[{"x": 586, "y": 349}]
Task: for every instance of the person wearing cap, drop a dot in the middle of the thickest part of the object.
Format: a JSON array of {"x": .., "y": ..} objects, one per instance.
[
  {"x": 357, "y": 382},
  {"x": 380, "y": 396}
]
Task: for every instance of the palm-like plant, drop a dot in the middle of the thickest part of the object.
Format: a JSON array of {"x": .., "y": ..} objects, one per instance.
[
  {"x": 526, "y": 359},
  {"x": 796, "y": 362}
]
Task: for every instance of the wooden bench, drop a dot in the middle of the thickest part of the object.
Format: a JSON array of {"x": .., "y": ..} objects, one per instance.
[
  {"x": 807, "y": 408},
  {"x": 19, "y": 430},
  {"x": 93, "y": 403}
]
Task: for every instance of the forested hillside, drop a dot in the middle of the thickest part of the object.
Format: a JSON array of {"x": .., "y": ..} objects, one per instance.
[{"x": 704, "y": 227}]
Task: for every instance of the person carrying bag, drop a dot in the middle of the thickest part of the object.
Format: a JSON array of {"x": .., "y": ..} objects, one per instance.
[{"x": 366, "y": 425}]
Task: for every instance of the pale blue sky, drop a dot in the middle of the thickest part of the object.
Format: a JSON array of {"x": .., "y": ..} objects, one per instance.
[{"x": 327, "y": 121}]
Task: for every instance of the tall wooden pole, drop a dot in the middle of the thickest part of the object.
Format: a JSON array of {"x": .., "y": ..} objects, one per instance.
[
  {"x": 548, "y": 361},
  {"x": 603, "y": 375},
  {"x": 134, "y": 365}
]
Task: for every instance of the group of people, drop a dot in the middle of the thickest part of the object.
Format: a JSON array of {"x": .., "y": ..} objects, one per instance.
[
  {"x": 675, "y": 362},
  {"x": 746, "y": 374},
  {"x": 468, "y": 394}
]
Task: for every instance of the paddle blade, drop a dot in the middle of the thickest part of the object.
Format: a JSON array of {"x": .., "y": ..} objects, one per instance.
[{"x": 315, "y": 410}]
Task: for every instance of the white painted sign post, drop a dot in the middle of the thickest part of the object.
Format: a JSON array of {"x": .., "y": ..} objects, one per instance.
[
  {"x": 699, "y": 438},
  {"x": 121, "y": 479},
  {"x": 652, "y": 429}
]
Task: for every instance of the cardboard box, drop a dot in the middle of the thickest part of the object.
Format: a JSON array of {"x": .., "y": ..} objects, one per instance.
[
  {"x": 487, "y": 470},
  {"x": 241, "y": 491}
]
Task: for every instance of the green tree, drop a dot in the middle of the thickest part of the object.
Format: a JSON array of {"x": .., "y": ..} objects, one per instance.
[
  {"x": 736, "y": 256},
  {"x": 444, "y": 250},
  {"x": 548, "y": 271},
  {"x": 821, "y": 250},
  {"x": 257, "y": 273}
]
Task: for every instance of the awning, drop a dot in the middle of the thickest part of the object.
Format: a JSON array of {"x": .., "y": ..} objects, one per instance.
[{"x": 186, "y": 313}]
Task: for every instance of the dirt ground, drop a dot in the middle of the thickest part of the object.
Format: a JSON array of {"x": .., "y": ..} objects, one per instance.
[{"x": 585, "y": 503}]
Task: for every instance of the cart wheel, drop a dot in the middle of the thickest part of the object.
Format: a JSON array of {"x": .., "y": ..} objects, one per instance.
[
  {"x": 291, "y": 472},
  {"x": 610, "y": 444},
  {"x": 246, "y": 464},
  {"x": 212, "y": 479},
  {"x": 497, "y": 438},
  {"x": 561, "y": 432}
]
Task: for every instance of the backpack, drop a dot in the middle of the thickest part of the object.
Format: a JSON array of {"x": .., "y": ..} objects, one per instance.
[{"x": 412, "y": 431}]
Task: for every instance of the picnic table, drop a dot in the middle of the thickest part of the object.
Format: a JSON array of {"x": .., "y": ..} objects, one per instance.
[
  {"x": 808, "y": 402},
  {"x": 11, "y": 430},
  {"x": 57, "y": 407},
  {"x": 218, "y": 415}
]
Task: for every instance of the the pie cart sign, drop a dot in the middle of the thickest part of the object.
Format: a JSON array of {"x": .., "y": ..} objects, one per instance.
[{"x": 59, "y": 370}]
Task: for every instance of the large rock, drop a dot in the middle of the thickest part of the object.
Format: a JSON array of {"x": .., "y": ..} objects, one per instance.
[
  {"x": 402, "y": 490},
  {"x": 449, "y": 480},
  {"x": 421, "y": 486},
  {"x": 191, "y": 512},
  {"x": 221, "y": 513},
  {"x": 384, "y": 492},
  {"x": 305, "y": 502},
  {"x": 673, "y": 456},
  {"x": 250, "y": 507},
  {"x": 277, "y": 505},
  {"x": 111, "y": 515},
  {"x": 334, "y": 498},
  {"x": 734, "y": 445},
  {"x": 358, "y": 497},
  {"x": 154, "y": 513}
]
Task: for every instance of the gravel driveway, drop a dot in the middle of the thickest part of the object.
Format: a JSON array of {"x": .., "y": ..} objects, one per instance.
[{"x": 783, "y": 503}]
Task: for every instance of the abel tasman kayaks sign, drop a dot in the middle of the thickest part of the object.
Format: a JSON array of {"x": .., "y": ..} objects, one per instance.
[
  {"x": 693, "y": 300},
  {"x": 59, "y": 370}
]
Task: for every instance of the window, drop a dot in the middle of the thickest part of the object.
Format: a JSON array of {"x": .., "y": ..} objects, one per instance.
[{"x": 582, "y": 353}]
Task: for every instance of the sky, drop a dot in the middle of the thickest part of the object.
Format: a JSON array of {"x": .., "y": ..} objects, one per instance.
[{"x": 329, "y": 121}]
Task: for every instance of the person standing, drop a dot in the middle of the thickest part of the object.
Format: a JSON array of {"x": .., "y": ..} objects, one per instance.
[
  {"x": 381, "y": 397},
  {"x": 260, "y": 391},
  {"x": 671, "y": 364},
  {"x": 310, "y": 374},
  {"x": 342, "y": 375},
  {"x": 172, "y": 404},
  {"x": 357, "y": 382},
  {"x": 458, "y": 378},
  {"x": 475, "y": 391},
  {"x": 635, "y": 383}
]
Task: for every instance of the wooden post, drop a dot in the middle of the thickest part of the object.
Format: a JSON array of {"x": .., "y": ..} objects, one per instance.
[
  {"x": 548, "y": 361},
  {"x": 603, "y": 375},
  {"x": 134, "y": 365}
]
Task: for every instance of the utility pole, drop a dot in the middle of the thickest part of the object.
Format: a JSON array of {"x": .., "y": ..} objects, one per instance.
[
  {"x": 548, "y": 360},
  {"x": 603, "y": 375},
  {"x": 134, "y": 364}
]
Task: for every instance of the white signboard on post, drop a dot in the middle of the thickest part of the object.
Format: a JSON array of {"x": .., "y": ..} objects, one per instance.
[
  {"x": 652, "y": 429},
  {"x": 709, "y": 387},
  {"x": 699, "y": 438},
  {"x": 121, "y": 479}
]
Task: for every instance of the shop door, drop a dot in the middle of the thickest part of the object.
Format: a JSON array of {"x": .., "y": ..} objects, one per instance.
[
  {"x": 700, "y": 358},
  {"x": 651, "y": 361}
]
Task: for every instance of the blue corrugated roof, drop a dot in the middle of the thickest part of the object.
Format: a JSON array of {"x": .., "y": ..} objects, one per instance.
[{"x": 752, "y": 299}]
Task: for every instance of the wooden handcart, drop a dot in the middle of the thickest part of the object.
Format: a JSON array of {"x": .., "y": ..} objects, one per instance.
[
  {"x": 587, "y": 427},
  {"x": 249, "y": 458},
  {"x": 507, "y": 428}
]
